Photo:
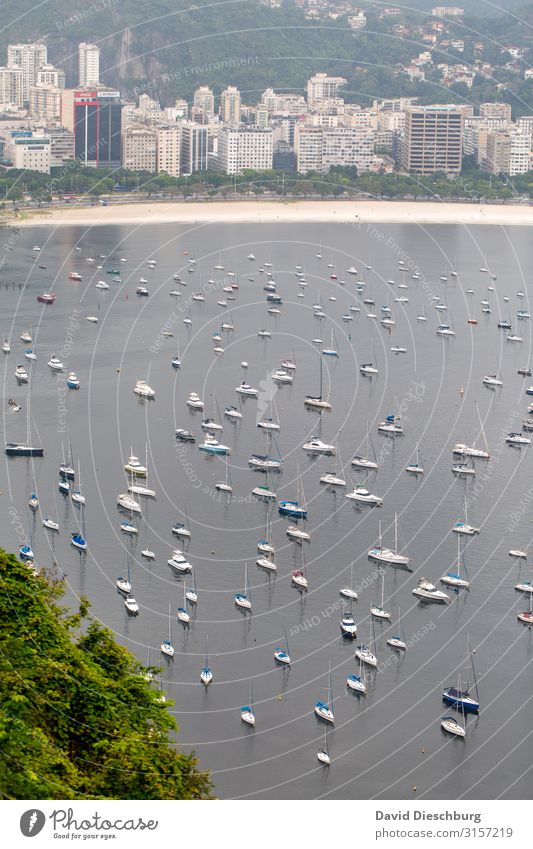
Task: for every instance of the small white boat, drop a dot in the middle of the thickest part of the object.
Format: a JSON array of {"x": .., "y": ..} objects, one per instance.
[
  {"x": 102, "y": 285},
  {"x": 128, "y": 503},
  {"x": 194, "y": 401},
  {"x": 131, "y": 605},
  {"x": 294, "y": 532},
  {"x": 142, "y": 389},
  {"x": 364, "y": 654},
  {"x": 232, "y": 412},
  {"x": 332, "y": 479},
  {"x": 282, "y": 376},
  {"x": 361, "y": 495},
  {"x": 517, "y": 439},
  {"x": 449, "y": 724},
  {"x": 21, "y": 374},
  {"x": 491, "y": 380},
  {"x": 521, "y": 555},
  {"x": 25, "y": 336},
  {"x": 135, "y": 467},
  {"x": 316, "y": 446},
  {"x": 178, "y": 562},
  {"x": 128, "y": 528},
  {"x": 50, "y": 524},
  {"x": 55, "y": 363},
  {"x": 426, "y": 591},
  {"x": 93, "y": 319},
  {"x": 6, "y": 347},
  {"x": 146, "y": 552},
  {"x": 246, "y": 389}
]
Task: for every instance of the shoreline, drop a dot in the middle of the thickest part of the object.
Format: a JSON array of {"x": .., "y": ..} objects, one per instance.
[{"x": 284, "y": 212}]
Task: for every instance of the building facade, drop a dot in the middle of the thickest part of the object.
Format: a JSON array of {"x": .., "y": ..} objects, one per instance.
[
  {"x": 230, "y": 105},
  {"x": 432, "y": 140},
  {"x": 88, "y": 65},
  {"x": 139, "y": 149},
  {"x": 45, "y": 103},
  {"x": 11, "y": 87},
  {"x": 28, "y": 57},
  {"x": 193, "y": 147},
  {"x": 244, "y": 147},
  {"x": 29, "y": 151},
  {"x": 95, "y": 118},
  {"x": 169, "y": 150}
]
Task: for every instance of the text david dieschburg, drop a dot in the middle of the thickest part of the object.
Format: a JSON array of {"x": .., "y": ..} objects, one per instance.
[{"x": 425, "y": 815}]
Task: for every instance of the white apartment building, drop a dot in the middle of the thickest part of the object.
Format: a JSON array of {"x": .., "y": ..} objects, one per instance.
[
  {"x": 244, "y": 147},
  {"x": 507, "y": 153},
  {"x": 29, "y": 151},
  {"x": 11, "y": 87},
  {"x": 88, "y": 64},
  {"x": 48, "y": 75},
  {"x": 204, "y": 101},
  {"x": 322, "y": 87},
  {"x": 168, "y": 150},
  {"x": 45, "y": 103},
  {"x": 230, "y": 105},
  {"x": 29, "y": 57},
  {"x": 283, "y": 104},
  {"x": 139, "y": 149},
  {"x": 319, "y": 149}
]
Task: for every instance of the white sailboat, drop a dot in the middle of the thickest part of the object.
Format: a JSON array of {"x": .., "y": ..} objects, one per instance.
[
  {"x": 378, "y": 611},
  {"x": 385, "y": 555},
  {"x": 243, "y": 599},
  {"x": 167, "y": 647}
]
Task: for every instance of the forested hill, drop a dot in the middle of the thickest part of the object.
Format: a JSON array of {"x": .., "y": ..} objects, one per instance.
[
  {"x": 169, "y": 47},
  {"x": 78, "y": 717}
]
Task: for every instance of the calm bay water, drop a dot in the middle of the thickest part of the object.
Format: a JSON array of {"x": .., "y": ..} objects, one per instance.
[{"x": 390, "y": 740}]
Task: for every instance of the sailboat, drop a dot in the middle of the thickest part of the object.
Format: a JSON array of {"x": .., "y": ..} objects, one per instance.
[
  {"x": 453, "y": 579},
  {"x": 166, "y": 646},
  {"x": 225, "y": 485},
  {"x": 124, "y": 584},
  {"x": 138, "y": 489},
  {"x": 365, "y": 653},
  {"x": 332, "y": 350},
  {"x": 242, "y": 600},
  {"x": 324, "y": 710},
  {"x": 471, "y": 451},
  {"x": 298, "y": 576},
  {"x": 323, "y": 754},
  {"x": 378, "y": 610},
  {"x": 182, "y": 529},
  {"x": 463, "y": 527},
  {"x": 294, "y": 509},
  {"x": 527, "y": 615},
  {"x": 349, "y": 592},
  {"x": 247, "y": 711},
  {"x": 398, "y": 640},
  {"x": 182, "y": 612},
  {"x": 385, "y": 555},
  {"x": 77, "y": 496},
  {"x": 281, "y": 655},
  {"x": 332, "y": 478},
  {"x": 206, "y": 675},
  {"x": 415, "y": 468},
  {"x": 461, "y": 698},
  {"x": 364, "y": 462},
  {"x": 316, "y": 402},
  {"x": 357, "y": 682},
  {"x": 78, "y": 539}
]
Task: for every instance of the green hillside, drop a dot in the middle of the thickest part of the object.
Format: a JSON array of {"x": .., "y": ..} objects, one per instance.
[{"x": 77, "y": 719}]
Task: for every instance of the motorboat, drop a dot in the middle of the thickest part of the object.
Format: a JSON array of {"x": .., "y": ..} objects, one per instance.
[
  {"x": 142, "y": 290},
  {"x": 142, "y": 389},
  {"x": 46, "y": 298},
  {"x": 74, "y": 275},
  {"x": 20, "y": 449},
  {"x": 246, "y": 389},
  {"x": 102, "y": 285},
  {"x": 211, "y": 445},
  {"x": 194, "y": 401},
  {"x": 445, "y": 330},
  {"x": 363, "y": 462},
  {"x": 467, "y": 451},
  {"x": 131, "y": 605},
  {"x": 426, "y": 591},
  {"x": 175, "y": 363},
  {"x": 348, "y": 626},
  {"x": 184, "y": 435},
  {"x": 55, "y": 363},
  {"x": 6, "y": 347},
  {"x": 362, "y": 496},
  {"x": 282, "y": 376},
  {"x": 332, "y": 479},
  {"x": 21, "y": 374},
  {"x": 25, "y": 337},
  {"x": 211, "y": 425},
  {"x": 135, "y": 467},
  {"x": 15, "y": 408},
  {"x": 72, "y": 381},
  {"x": 316, "y": 446}
]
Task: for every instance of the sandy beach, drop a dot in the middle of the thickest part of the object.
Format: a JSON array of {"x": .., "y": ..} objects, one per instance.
[{"x": 256, "y": 212}]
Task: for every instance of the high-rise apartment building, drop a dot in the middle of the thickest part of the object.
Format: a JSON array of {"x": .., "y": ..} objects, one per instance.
[
  {"x": 433, "y": 140},
  {"x": 204, "y": 101},
  {"x": 230, "y": 105},
  {"x": 322, "y": 87},
  {"x": 244, "y": 147},
  {"x": 48, "y": 75},
  {"x": 139, "y": 149},
  {"x": 507, "y": 153},
  {"x": 88, "y": 64},
  {"x": 11, "y": 87},
  {"x": 45, "y": 103},
  {"x": 168, "y": 150},
  {"x": 28, "y": 57},
  {"x": 321, "y": 148}
]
